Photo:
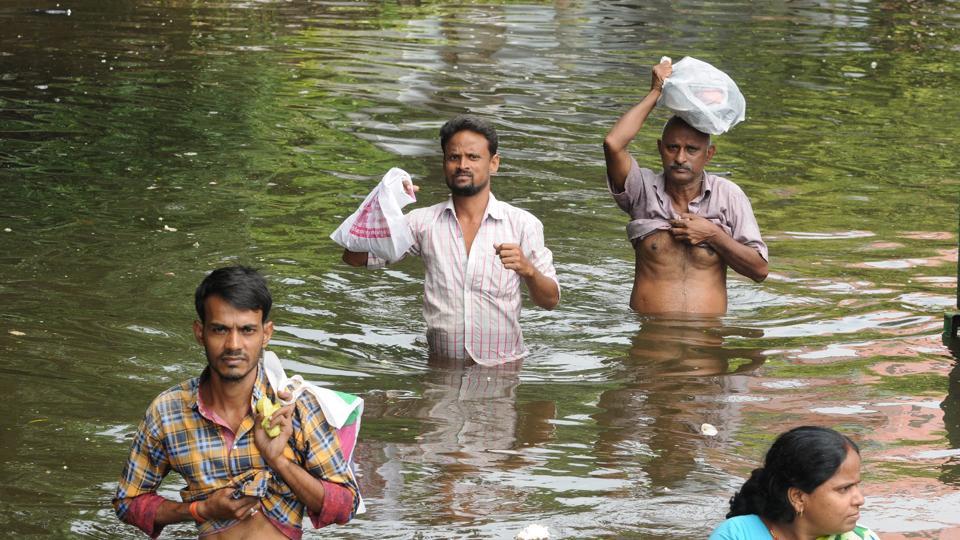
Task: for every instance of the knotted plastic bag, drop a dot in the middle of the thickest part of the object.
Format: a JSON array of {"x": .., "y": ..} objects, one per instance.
[
  {"x": 705, "y": 97},
  {"x": 379, "y": 226},
  {"x": 341, "y": 410}
]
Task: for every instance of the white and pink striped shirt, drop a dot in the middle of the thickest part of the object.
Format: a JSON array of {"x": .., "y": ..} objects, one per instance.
[{"x": 471, "y": 304}]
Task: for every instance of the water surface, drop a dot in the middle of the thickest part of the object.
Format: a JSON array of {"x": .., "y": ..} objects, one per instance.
[{"x": 144, "y": 143}]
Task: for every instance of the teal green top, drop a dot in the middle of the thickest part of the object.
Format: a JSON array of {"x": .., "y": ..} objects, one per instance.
[{"x": 751, "y": 527}]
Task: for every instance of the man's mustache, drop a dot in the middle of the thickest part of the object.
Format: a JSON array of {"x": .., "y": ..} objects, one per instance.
[
  {"x": 680, "y": 168},
  {"x": 461, "y": 172}
]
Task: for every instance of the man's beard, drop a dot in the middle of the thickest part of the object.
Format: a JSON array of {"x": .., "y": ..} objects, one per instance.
[
  {"x": 468, "y": 190},
  {"x": 236, "y": 377}
]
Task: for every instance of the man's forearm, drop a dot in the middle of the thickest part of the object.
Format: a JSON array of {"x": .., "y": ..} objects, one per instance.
[
  {"x": 151, "y": 512},
  {"x": 309, "y": 490},
  {"x": 630, "y": 123},
  {"x": 618, "y": 139},
  {"x": 543, "y": 291},
  {"x": 326, "y": 502},
  {"x": 742, "y": 258},
  {"x": 170, "y": 512}
]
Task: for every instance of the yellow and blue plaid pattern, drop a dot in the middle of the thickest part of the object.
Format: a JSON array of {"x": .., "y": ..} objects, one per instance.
[{"x": 174, "y": 435}]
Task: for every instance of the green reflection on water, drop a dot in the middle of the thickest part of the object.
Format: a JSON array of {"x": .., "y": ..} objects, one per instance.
[{"x": 253, "y": 131}]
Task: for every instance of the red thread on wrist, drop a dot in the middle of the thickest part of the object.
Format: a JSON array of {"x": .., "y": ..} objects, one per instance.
[{"x": 195, "y": 512}]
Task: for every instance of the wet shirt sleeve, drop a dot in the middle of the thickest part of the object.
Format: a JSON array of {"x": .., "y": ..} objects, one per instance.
[
  {"x": 136, "y": 501},
  {"x": 319, "y": 445},
  {"x": 632, "y": 195},
  {"x": 743, "y": 226},
  {"x": 640, "y": 201},
  {"x": 536, "y": 251}
]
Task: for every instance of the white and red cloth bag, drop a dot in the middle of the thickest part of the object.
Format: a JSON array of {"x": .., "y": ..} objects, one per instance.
[{"x": 379, "y": 226}]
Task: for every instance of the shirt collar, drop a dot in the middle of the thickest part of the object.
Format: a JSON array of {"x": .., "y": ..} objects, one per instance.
[
  {"x": 707, "y": 186},
  {"x": 259, "y": 387},
  {"x": 494, "y": 208}
]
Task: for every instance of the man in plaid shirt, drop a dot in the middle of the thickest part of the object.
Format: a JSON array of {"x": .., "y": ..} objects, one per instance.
[{"x": 241, "y": 483}]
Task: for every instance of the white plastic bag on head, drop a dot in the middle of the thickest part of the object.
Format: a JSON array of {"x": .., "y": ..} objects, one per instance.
[
  {"x": 704, "y": 96},
  {"x": 379, "y": 226}
]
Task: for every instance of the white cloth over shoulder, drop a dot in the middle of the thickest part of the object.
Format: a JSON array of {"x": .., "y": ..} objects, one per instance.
[
  {"x": 379, "y": 226},
  {"x": 342, "y": 411},
  {"x": 705, "y": 97}
]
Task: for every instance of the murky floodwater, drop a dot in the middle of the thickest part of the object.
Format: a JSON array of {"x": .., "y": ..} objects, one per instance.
[{"x": 145, "y": 143}]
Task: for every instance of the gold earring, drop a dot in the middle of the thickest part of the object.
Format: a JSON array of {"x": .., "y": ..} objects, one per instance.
[{"x": 800, "y": 512}]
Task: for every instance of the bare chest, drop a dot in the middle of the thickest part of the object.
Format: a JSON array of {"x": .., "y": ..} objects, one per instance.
[{"x": 661, "y": 249}]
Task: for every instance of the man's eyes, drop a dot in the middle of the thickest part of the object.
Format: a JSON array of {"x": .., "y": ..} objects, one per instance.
[{"x": 248, "y": 330}]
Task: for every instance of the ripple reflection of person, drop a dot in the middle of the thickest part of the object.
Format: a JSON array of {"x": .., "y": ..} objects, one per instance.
[
  {"x": 471, "y": 428},
  {"x": 676, "y": 375},
  {"x": 950, "y": 471},
  {"x": 808, "y": 488}
]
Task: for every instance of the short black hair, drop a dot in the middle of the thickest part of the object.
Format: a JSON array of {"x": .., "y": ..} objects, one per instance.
[
  {"x": 804, "y": 458},
  {"x": 241, "y": 286},
  {"x": 677, "y": 121},
  {"x": 469, "y": 123}
]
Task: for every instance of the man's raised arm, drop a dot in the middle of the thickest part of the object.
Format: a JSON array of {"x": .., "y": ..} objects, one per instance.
[{"x": 618, "y": 139}]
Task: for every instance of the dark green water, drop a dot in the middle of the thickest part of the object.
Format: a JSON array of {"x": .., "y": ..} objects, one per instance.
[{"x": 144, "y": 143}]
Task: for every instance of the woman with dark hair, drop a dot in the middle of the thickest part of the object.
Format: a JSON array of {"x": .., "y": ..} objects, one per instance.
[{"x": 808, "y": 488}]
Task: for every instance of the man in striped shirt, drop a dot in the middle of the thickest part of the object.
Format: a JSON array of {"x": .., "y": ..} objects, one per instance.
[
  {"x": 476, "y": 252},
  {"x": 240, "y": 483}
]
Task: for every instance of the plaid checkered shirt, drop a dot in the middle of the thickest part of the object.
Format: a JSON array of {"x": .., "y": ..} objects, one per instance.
[{"x": 179, "y": 433}]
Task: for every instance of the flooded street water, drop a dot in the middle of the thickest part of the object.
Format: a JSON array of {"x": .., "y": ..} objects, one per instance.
[{"x": 144, "y": 143}]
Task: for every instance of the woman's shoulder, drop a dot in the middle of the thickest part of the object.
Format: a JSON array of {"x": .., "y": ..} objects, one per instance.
[
  {"x": 858, "y": 533},
  {"x": 741, "y": 528}
]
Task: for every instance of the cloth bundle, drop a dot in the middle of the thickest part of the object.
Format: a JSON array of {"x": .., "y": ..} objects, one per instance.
[
  {"x": 379, "y": 226},
  {"x": 341, "y": 410},
  {"x": 705, "y": 97}
]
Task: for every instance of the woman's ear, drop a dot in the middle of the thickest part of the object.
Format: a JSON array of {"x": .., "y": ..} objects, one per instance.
[{"x": 797, "y": 499}]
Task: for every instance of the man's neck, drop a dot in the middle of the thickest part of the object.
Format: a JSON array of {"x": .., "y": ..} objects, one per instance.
[
  {"x": 683, "y": 194},
  {"x": 471, "y": 208},
  {"x": 230, "y": 399}
]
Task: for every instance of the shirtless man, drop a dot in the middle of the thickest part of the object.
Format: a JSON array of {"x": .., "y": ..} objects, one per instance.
[{"x": 687, "y": 226}]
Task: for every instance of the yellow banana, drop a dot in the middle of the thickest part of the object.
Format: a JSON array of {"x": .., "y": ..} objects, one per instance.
[{"x": 267, "y": 407}]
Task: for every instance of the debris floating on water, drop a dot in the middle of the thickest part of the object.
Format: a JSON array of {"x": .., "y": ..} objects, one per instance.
[
  {"x": 16, "y": 333},
  {"x": 708, "y": 429},
  {"x": 533, "y": 532}
]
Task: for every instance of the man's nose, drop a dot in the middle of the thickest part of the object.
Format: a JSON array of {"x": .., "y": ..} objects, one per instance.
[
  {"x": 681, "y": 156},
  {"x": 233, "y": 339}
]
